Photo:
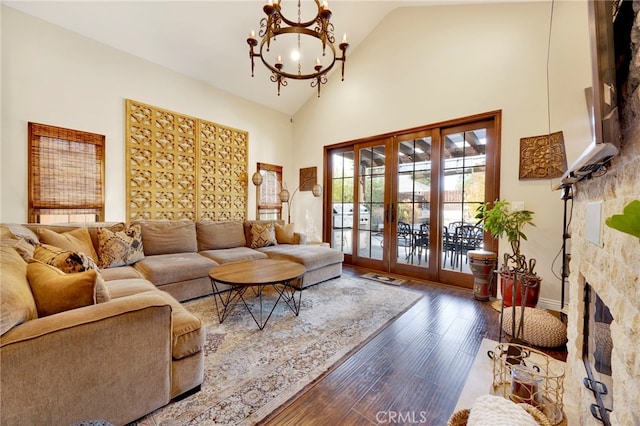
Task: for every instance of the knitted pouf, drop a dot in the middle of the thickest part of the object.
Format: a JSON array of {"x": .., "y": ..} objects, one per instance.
[
  {"x": 540, "y": 328},
  {"x": 460, "y": 417},
  {"x": 490, "y": 410}
]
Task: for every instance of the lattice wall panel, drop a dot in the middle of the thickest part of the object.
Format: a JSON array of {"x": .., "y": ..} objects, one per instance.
[
  {"x": 222, "y": 195},
  {"x": 181, "y": 167}
]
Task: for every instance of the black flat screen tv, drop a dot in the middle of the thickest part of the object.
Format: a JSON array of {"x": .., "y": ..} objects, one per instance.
[{"x": 609, "y": 27}]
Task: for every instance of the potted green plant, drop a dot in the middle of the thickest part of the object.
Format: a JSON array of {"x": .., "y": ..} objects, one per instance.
[
  {"x": 503, "y": 222},
  {"x": 627, "y": 222}
]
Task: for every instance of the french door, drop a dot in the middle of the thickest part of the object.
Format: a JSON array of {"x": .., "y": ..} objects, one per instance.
[{"x": 405, "y": 203}]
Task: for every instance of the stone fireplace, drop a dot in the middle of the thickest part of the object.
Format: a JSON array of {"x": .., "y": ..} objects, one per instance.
[{"x": 611, "y": 268}]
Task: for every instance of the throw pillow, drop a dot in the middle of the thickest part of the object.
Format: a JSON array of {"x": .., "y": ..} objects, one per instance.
[
  {"x": 120, "y": 248},
  {"x": 67, "y": 261},
  {"x": 285, "y": 234},
  {"x": 263, "y": 235},
  {"x": 78, "y": 240},
  {"x": 71, "y": 262},
  {"x": 21, "y": 231},
  {"x": 54, "y": 291},
  {"x": 16, "y": 299},
  {"x": 21, "y": 246}
]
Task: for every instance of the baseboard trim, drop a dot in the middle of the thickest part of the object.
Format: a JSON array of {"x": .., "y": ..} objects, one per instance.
[{"x": 551, "y": 304}]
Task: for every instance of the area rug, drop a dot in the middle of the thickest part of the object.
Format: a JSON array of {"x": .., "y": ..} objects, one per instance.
[
  {"x": 480, "y": 379},
  {"x": 385, "y": 279},
  {"x": 249, "y": 373}
]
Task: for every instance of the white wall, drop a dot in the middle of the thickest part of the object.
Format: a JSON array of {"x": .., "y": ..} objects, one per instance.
[
  {"x": 420, "y": 65},
  {"x": 54, "y": 76},
  {"x": 428, "y": 64}
]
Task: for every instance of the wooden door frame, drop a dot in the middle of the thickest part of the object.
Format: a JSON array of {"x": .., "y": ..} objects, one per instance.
[{"x": 492, "y": 188}]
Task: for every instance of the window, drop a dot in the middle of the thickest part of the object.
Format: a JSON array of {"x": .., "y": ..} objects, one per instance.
[
  {"x": 66, "y": 175},
  {"x": 268, "y": 201},
  {"x": 404, "y": 202}
]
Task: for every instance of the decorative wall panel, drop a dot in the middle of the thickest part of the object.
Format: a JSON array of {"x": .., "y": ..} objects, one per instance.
[
  {"x": 542, "y": 157},
  {"x": 181, "y": 167}
]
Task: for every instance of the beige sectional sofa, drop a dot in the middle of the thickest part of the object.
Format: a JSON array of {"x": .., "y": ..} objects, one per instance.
[
  {"x": 124, "y": 357},
  {"x": 116, "y": 360},
  {"x": 180, "y": 254}
]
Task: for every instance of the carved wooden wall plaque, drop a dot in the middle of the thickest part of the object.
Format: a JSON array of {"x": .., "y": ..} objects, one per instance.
[{"x": 542, "y": 157}]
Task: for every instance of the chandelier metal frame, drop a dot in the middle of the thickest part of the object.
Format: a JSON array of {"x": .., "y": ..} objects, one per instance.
[{"x": 320, "y": 27}]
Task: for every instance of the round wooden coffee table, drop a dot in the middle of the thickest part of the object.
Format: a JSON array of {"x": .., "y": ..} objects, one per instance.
[{"x": 256, "y": 274}]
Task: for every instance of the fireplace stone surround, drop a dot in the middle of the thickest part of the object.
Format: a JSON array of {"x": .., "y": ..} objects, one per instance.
[{"x": 611, "y": 268}]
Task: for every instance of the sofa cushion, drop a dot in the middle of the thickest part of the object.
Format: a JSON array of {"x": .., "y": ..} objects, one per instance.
[
  {"x": 120, "y": 248},
  {"x": 220, "y": 235},
  {"x": 285, "y": 234},
  {"x": 77, "y": 240},
  {"x": 170, "y": 268},
  {"x": 263, "y": 235},
  {"x": 311, "y": 257},
  {"x": 168, "y": 236},
  {"x": 129, "y": 286},
  {"x": 71, "y": 262},
  {"x": 120, "y": 273},
  {"x": 188, "y": 333},
  {"x": 16, "y": 300},
  {"x": 54, "y": 291},
  {"x": 233, "y": 254}
]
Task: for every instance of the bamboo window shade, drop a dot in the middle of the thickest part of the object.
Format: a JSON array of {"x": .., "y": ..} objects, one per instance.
[
  {"x": 269, "y": 189},
  {"x": 66, "y": 174}
]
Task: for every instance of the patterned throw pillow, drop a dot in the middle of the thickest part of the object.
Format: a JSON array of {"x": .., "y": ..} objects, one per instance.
[
  {"x": 120, "y": 248},
  {"x": 70, "y": 262},
  {"x": 67, "y": 261},
  {"x": 263, "y": 235}
]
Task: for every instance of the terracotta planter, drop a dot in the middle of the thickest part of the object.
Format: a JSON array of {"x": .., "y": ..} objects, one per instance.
[{"x": 533, "y": 289}]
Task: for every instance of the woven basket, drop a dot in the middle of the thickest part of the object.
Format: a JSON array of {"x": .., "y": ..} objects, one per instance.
[{"x": 460, "y": 417}]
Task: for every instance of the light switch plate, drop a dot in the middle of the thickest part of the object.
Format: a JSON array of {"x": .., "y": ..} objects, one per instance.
[
  {"x": 517, "y": 206},
  {"x": 593, "y": 222}
]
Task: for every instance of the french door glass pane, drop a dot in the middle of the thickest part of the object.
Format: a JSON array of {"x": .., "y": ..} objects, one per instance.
[
  {"x": 413, "y": 195},
  {"x": 342, "y": 187},
  {"x": 464, "y": 174},
  {"x": 371, "y": 207}
]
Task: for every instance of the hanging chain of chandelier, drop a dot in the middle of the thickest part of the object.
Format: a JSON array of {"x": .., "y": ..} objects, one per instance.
[{"x": 319, "y": 30}]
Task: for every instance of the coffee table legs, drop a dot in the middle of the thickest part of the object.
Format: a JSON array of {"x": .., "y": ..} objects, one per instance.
[{"x": 225, "y": 300}]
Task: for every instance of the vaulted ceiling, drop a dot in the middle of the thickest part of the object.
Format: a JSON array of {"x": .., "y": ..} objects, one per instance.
[{"x": 206, "y": 40}]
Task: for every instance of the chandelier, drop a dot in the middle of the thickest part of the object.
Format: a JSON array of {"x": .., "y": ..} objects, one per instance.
[{"x": 318, "y": 37}]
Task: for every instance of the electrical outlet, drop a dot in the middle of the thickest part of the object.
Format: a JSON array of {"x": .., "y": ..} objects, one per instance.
[{"x": 517, "y": 206}]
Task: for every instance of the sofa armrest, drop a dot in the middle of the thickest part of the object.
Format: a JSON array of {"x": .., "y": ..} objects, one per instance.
[
  {"x": 110, "y": 361},
  {"x": 299, "y": 238}
]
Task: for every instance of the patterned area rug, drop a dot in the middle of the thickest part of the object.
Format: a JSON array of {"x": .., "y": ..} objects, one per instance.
[
  {"x": 385, "y": 279},
  {"x": 249, "y": 373}
]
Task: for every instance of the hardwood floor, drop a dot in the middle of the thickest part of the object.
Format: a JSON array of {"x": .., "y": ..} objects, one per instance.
[{"x": 411, "y": 372}]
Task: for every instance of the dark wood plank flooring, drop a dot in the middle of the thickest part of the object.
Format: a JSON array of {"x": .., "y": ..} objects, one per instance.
[{"x": 414, "y": 369}]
